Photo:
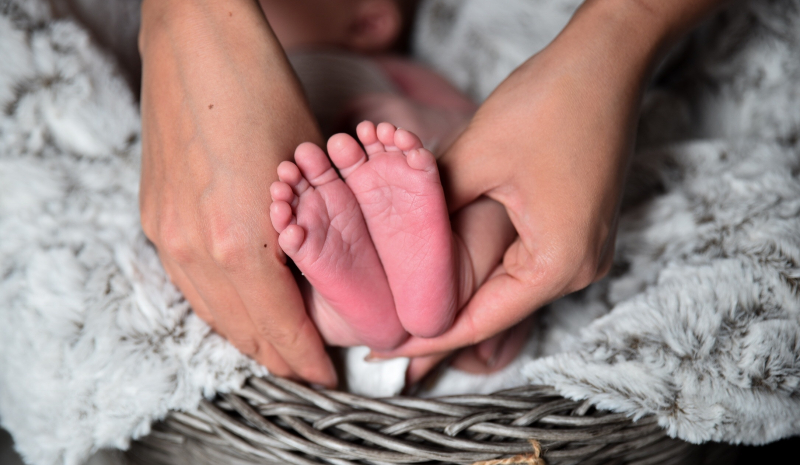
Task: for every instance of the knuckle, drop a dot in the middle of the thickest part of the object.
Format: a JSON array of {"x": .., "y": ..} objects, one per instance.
[
  {"x": 288, "y": 338},
  {"x": 225, "y": 244},
  {"x": 166, "y": 229},
  {"x": 174, "y": 243},
  {"x": 574, "y": 269},
  {"x": 281, "y": 337},
  {"x": 475, "y": 331},
  {"x": 603, "y": 270},
  {"x": 584, "y": 274},
  {"x": 247, "y": 346},
  {"x": 228, "y": 255}
]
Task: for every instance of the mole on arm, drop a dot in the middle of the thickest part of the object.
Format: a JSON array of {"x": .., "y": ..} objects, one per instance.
[{"x": 211, "y": 106}]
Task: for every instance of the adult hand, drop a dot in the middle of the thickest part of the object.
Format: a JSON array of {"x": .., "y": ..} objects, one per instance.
[
  {"x": 552, "y": 145},
  {"x": 221, "y": 109}
]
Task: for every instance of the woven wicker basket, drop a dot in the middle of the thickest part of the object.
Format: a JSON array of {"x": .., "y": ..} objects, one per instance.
[{"x": 273, "y": 420}]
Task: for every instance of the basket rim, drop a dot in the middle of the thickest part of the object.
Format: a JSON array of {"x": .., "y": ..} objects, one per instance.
[{"x": 287, "y": 422}]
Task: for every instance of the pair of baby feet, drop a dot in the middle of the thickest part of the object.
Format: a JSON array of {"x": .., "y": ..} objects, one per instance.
[{"x": 375, "y": 243}]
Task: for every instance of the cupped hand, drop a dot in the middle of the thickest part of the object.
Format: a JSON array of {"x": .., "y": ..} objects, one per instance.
[
  {"x": 552, "y": 145},
  {"x": 220, "y": 110}
]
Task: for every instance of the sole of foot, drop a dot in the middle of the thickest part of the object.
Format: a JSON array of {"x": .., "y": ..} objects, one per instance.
[
  {"x": 321, "y": 228},
  {"x": 397, "y": 185}
]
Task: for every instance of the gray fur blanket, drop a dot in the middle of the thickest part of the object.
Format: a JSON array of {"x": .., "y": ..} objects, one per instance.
[{"x": 698, "y": 324}]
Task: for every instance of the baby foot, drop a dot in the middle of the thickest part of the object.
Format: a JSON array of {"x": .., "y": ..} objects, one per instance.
[
  {"x": 436, "y": 127},
  {"x": 398, "y": 188},
  {"x": 321, "y": 228}
]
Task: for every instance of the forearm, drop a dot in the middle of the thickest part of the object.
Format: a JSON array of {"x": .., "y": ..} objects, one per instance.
[
  {"x": 634, "y": 35},
  {"x": 666, "y": 20},
  {"x": 216, "y": 66}
]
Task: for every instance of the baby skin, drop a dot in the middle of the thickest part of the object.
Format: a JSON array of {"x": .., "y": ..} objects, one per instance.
[{"x": 377, "y": 246}]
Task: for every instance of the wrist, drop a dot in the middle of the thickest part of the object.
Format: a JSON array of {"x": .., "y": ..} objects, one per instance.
[
  {"x": 159, "y": 16},
  {"x": 648, "y": 28},
  {"x": 633, "y": 35},
  {"x": 156, "y": 15},
  {"x": 185, "y": 19},
  {"x": 622, "y": 37}
]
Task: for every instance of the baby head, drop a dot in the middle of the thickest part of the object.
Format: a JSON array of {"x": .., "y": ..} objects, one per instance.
[{"x": 365, "y": 26}]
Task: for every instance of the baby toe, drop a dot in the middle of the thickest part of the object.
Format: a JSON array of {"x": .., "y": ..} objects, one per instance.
[
  {"x": 291, "y": 239},
  {"x": 406, "y": 140},
  {"x": 279, "y": 190},
  {"x": 368, "y": 135},
  {"x": 421, "y": 159},
  {"x": 314, "y": 164},
  {"x": 346, "y": 154},
  {"x": 281, "y": 215},
  {"x": 386, "y": 134},
  {"x": 290, "y": 174}
]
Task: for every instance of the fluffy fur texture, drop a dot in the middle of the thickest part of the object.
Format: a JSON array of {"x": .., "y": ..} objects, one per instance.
[
  {"x": 698, "y": 324},
  {"x": 95, "y": 342}
]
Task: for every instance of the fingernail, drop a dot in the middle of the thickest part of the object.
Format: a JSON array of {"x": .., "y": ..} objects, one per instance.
[
  {"x": 488, "y": 350},
  {"x": 492, "y": 360},
  {"x": 372, "y": 357},
  {"x": 333, "y": 376}
]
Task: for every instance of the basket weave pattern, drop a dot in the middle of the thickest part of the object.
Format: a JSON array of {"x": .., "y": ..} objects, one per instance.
[{"x": 273, "y": 420}]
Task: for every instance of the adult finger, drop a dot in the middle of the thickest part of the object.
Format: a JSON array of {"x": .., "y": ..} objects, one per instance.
[
  {"x": 500, "y": 303},
  {"x": 231, "y": 317},
  {"x": 287, "y": 325},
  {"x": 465, "y": 174},
  {"x": 503, "y": 301},
  {"x": 183, "y": 283},
  {"x": 419, "y": 367},
  {"x": 495, "y": 353},
  {"x": 489, "y": 356}
]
